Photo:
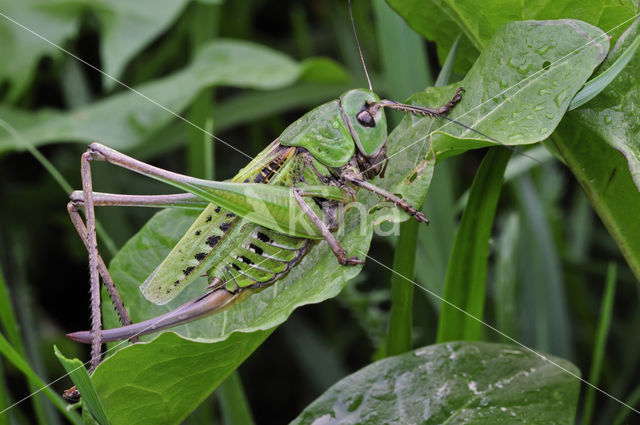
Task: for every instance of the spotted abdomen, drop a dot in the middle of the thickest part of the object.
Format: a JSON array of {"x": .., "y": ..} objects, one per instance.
[{"x": 263, "y": 257}]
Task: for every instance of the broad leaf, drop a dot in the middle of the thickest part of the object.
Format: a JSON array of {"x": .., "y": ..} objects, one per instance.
[
  {"x": 127, "y": 27},
  {"x": 601, "y": 146},
  {"x": 457, "y": 382},
  {"x": 478, "y": 21},
  {"x": 518, "y": 95},
  {"x": 125, "y": 120}
]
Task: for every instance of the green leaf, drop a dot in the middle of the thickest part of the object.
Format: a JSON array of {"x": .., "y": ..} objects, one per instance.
[
  {"x": 169, "y": 377},
  {"x": 467, "y": 270},
  {"x": 81, "y": 380},
  {"x": 599, "y": 83},
  {"x": 612, "y": 115},
  {"x": 127, "y": 119},
  {"x": 599, "y": 143},
  {"x": 606, "y": 311},
  {"x": 129, "y": 26},
  {"x": 542, "y": 295},
  {"x": 442, "y": 21},
  {"x": 17, "y": 360},
  {"x": 457, "y": 382},
  {"x": 517, "y": 94},
  {"x": 54, "y": 22}
]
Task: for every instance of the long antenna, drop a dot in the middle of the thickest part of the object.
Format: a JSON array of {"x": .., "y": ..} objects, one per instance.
[{"x": 355, "y": 33}]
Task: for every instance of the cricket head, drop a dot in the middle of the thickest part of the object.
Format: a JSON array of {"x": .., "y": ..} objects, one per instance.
[{"x": 368, "y": 126}]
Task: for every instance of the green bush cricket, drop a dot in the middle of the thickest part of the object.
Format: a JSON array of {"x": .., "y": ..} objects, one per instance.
[{"x": 256, "y": 227}]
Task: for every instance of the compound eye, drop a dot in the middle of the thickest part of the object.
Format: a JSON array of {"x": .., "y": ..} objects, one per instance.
[{"x": 365, "y": 118}]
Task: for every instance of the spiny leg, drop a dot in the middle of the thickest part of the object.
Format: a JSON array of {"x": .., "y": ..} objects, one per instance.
[
  {"x": 88, "y": 233},
  {"x": 328, "y": 236},
  {"x": 92, "y": 247},
  {"x": 109, "y": 199},
  {"x": 423, "y": 110},
  {"x": 399, "y": 202},
  {"x": 76, "y": 219}
]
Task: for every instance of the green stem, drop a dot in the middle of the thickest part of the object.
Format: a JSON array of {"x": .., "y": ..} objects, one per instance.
[
  {"x": 204, "y": 26},
  {"x": 399, "y": 338},
  {"x": 467, "y": 270},
  {"x": 606, "y": 311},
  {"x": 234, "y": 405}
]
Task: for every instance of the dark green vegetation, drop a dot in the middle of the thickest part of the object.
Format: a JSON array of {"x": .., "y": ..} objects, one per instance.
[{"x": 533, "y": 256}]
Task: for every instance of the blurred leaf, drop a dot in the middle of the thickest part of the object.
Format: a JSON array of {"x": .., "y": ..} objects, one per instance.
[
  {"x": 129, "y": 26},
  {"x": 543, "y": 300},
  {"x": 127, "y": 119},
  {"x": 458, "y": 382},
  {"x": 21, "y": 50},
  {"x": 436, "y": 241},
  {"x": 467, "y": 270},
  {"x": 478, "y": 21},
  {"x": 506, "y": 305},
  {"x": 124, "y": 120},
  {"x": 323, "y": 71},
  {"x": 233, "y": 402},
  {"x": 606, "y": 311},
  {"x": 17, "y": 360},
  {"x": 315, "y": 356}
]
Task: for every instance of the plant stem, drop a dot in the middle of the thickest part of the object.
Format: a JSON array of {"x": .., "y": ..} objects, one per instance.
[{"x": 399, "y": 338}]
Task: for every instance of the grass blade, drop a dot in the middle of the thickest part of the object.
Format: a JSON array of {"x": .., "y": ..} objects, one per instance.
[
  {"x": 543, "y": 298},
  {"x": 235, "y": 408},
  {"x": 16, "y": 359},
  {"x": 82, "y": 381},
  {"x": 506, "y": 302},
  {"x": 606, "y": 311},
  {"x": 467, "y": 271},
  {"x": 592, "y": 88}
]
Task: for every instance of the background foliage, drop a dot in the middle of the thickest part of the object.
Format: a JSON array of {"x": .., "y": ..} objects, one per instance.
[{"x": 557, "y": 280}]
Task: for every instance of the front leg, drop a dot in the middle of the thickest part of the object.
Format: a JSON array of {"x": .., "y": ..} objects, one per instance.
[
  {"x": 326, "y": 233},
  {"x": 398, "y": 201}
]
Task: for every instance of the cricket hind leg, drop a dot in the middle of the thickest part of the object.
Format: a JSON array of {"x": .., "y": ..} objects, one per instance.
[
  {"x": 398, "y": 201},
  {"x": 108, "y": 199},
  {"x": 87, "y": 231}
]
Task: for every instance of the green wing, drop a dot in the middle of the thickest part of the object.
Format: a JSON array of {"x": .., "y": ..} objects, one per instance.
[
  {"x": 191, "y": 257},
  {"x": 194, "y": 255}
]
